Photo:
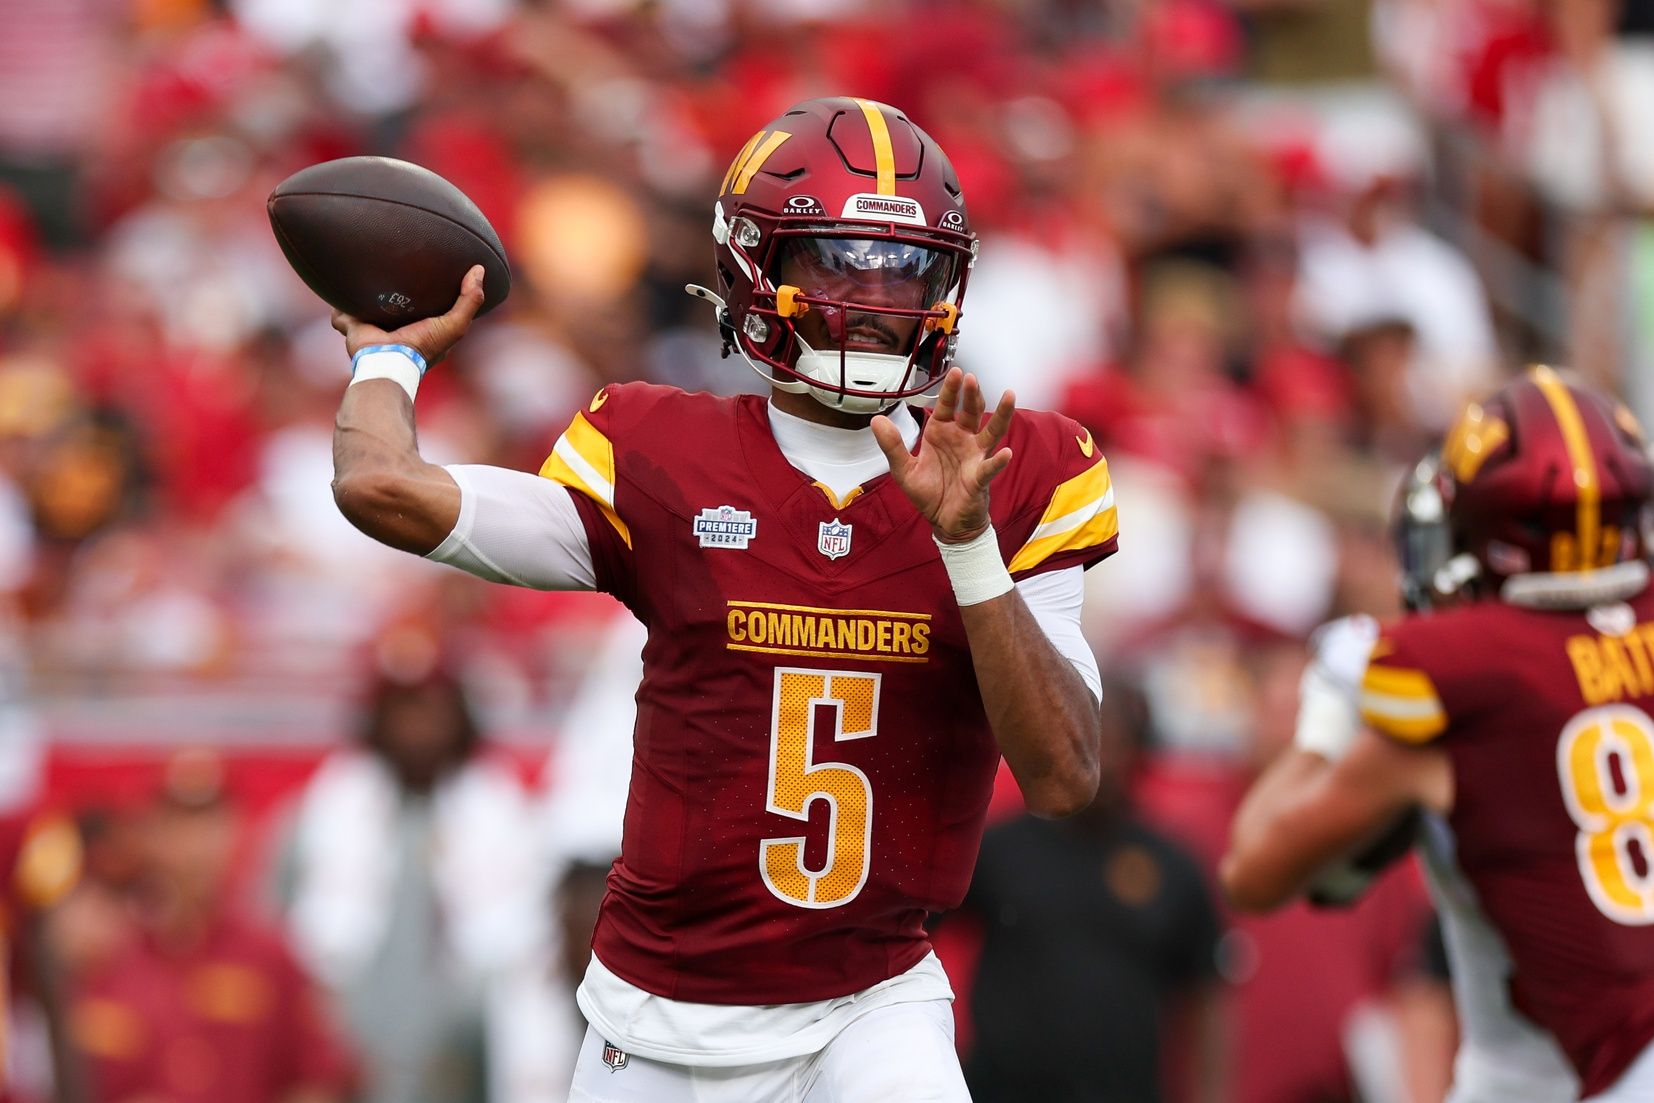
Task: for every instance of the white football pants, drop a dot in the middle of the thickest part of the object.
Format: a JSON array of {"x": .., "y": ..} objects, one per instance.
[
  {"x": 1635, "y": 1085},
  {"x": 900, "y": 1052}
]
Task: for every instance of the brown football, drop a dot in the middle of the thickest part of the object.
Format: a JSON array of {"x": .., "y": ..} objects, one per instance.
[{"x": 384, "y": 239}]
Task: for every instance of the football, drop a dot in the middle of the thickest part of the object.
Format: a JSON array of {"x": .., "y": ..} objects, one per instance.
[{"x": 385, "y": 240}]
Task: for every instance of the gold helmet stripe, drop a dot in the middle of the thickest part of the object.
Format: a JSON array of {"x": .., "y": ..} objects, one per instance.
[
  {"x": 1586, "y": 482},
  {"x": 884, "y": 156}
]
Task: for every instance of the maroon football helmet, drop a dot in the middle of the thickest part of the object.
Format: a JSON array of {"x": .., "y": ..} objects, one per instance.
[
  {"x": 1548, "y": 476},
  {"x": 843, "y": 249}
]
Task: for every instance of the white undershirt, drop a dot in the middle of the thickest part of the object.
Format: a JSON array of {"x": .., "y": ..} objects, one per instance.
[{"x": 841, "y": 459}]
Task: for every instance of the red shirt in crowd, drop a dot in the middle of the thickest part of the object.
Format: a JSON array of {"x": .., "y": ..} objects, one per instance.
[{"x": 231, "y": 1020}]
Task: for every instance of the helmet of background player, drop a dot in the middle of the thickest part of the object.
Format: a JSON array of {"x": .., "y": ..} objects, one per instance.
[
  {"x": 1423, "y": 541},
  {"x": 1548, "y": 485},
  {"x": 843, "y": 249}
]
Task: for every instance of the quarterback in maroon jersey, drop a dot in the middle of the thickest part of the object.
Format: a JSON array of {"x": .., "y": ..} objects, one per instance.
[
  {"x": 1520, "y": 715},
  {"x": 846, "y": 630}
]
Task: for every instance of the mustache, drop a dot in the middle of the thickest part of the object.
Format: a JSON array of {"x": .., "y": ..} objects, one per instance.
[{"x": 840, "y": 322}]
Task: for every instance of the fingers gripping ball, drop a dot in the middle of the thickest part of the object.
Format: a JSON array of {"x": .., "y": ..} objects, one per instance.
[{"x": 384, "y": 240}]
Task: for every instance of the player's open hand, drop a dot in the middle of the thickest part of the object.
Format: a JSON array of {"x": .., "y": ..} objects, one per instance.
[
  {"x": 959, "y": 455},
  {"x": 432, "y": 337}
]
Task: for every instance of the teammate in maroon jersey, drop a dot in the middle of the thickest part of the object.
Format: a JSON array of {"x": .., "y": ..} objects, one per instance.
[
  {"x": 846, "y": 631},
  {"x": 1521, "y": 715}
]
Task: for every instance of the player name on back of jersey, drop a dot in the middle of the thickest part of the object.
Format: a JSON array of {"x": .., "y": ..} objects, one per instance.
[
  {"x": 875, "y": 634},
  {"x": 1614, "y": 668}
]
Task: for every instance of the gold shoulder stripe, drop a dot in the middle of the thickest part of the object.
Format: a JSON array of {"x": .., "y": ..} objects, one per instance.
[
  {"x": 1420, "y": 729},
  {"x": 584, "y": 461},
  {"x": 1081, "y": 515},
  {"x": 884, "y": 156},
  {"x": 1398, "y": 682},
  {"x": 1402, "y": 703}
]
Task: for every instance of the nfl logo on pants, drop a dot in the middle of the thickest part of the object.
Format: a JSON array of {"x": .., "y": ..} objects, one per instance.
[
  {"x": 834, "y": 540},
  {"x": 614, "y": 1057}
]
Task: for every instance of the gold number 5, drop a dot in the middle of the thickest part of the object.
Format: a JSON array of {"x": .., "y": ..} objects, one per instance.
[{"x": 796, "y": 782}]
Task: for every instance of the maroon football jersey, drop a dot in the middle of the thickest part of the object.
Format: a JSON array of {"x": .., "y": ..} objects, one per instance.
[
  {"x": 1546, "y": 718},
  {"x": 811, "y": 762}
]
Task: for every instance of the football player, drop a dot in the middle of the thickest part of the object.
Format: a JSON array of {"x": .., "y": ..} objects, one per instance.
[
  {"x": 1515, "y": 716},
  {"x": 845, "y": 629}
]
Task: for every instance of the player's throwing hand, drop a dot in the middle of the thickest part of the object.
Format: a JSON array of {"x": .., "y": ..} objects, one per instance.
[
  {"x": 432, "y": 338},
  {"x": 948, "y": 479}
]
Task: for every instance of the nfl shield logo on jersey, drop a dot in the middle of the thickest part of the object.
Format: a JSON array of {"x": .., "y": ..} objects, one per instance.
[
  {"x": 614, "y": 1057},
  {"x": 834, "y": 540}
]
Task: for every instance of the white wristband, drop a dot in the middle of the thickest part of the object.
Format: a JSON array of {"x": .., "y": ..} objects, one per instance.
[
  {"x": 398, "y": 363},
  {"x": 975, "y": 568},
  {"x": 1328, "y": 720}
]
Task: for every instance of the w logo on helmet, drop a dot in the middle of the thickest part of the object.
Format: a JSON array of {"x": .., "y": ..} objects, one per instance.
[
  {"x": 1475, "y": 437},
  {"x": 751, "y": 159}
]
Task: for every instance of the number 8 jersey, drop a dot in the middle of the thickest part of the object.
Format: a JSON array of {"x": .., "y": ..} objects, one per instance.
[
  {"x": 811, "y": 761},
  {"x": 1547, "y": 719}
]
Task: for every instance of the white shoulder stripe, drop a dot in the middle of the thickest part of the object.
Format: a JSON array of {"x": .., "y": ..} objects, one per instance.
[
  {"x": 1068, "y": 522},
  {"x": 600, "y": 487},
  {"x": 1400, "y": 708}
]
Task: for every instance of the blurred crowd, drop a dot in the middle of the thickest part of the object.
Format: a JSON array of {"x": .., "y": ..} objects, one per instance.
[{"x": 1263, "y": 249}]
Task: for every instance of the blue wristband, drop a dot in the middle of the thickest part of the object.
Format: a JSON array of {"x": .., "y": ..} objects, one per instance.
[{"x": 406, "y": 350}]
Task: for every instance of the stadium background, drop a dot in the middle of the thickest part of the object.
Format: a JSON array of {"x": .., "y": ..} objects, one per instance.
[{"x": 1262, "y": 248}]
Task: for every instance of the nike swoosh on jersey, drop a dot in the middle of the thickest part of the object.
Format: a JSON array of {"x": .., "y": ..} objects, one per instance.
[
  {"x": 1086, "y": 446},
  {"x": 603, "y": 396}
]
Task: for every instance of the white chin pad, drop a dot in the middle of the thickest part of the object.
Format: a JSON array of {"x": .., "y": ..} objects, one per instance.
[{"x": 862, "y": 371}]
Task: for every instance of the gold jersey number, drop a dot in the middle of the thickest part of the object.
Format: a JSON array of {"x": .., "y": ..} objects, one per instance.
[
  {"x": 796, "y": 782},
  {"x": 1605, "y": 759}
]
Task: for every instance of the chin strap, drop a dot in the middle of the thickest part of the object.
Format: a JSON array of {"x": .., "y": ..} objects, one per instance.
[{"x": 1576, "y": 590}]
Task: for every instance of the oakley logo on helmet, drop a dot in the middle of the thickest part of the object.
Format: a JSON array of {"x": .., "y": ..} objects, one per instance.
[
  {"x": 803, "y": 204},
  {"x": 884, "y": 208},
  {"x": 953, "y": 220}
]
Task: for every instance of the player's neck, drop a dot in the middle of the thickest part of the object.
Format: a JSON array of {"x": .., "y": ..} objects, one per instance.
[{"x": 806, "y": 408}]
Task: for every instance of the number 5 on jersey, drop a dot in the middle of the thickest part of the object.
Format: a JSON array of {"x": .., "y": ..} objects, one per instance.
[{"x": 796, "y": 782}]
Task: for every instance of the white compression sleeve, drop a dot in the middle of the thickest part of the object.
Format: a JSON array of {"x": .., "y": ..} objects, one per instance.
[
  {"x": 1055, "y": 599},
  {"x": 1328, "y": 717},
  {"x": 517, "y": 528}
]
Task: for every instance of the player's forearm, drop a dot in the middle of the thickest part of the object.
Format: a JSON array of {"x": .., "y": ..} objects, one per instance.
[
  {"x": 1045, "y": 719},
  {"x": 1262, "y": 870},
  {"x": 380, "y": 482}
]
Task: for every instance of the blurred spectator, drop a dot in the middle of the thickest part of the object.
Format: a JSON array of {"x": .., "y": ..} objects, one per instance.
[
  {"x": 185, "y": 998},
  {"x": 1100, "y": 939},
  {"x": 1375, "y": 263},
  {"x": 411, "y": 880},
  {"x": 582, "y": 806},
  {"x": 40, "y": 861}
]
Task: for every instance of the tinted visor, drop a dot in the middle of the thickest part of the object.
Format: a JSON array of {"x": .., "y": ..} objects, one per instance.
[{"x": 874, "y": 271}]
